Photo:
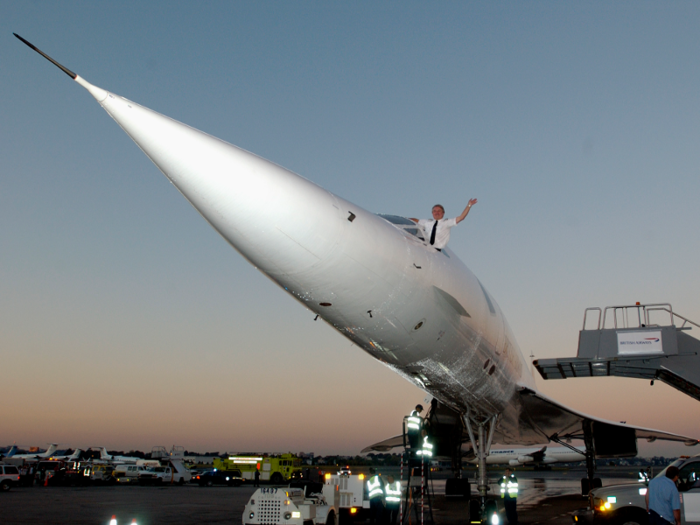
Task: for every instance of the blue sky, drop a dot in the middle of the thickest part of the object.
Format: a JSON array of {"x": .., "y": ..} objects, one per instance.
[{"x": 127, "y": 321}]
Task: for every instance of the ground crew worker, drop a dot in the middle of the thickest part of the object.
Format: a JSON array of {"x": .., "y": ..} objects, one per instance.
[
  {"x": 414, "y": 425},
  {"x": 392, "y": 497},
  {"x": 426, "y": 450},
  {"x": 509, "y": 493},
  {"x": 375, "y": 493}
]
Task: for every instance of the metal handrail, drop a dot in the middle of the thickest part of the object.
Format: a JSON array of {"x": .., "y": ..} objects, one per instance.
[
  {"x": 643, "y": 311},
  {"x": 641, "y": 308},
  {"x": 585, "y": 315},
  {"x": 673, "y": 314}
]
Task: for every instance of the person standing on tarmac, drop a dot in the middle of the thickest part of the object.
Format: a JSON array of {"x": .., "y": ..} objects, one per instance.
[
  {"x": 662, "y": 499},
  {"x": 375, "y": 493},
  {"x": 256, "y": 483},
  {"x": 509, "y": 493},
  {"x": 414, "y": 426},
  {"x": 392, "y": 497}
]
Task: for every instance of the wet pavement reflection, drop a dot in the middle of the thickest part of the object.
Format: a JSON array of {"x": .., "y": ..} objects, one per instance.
[{"x": 534, "y": 487}]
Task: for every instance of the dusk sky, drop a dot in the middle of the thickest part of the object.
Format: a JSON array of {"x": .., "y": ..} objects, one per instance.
[{"x": 127, "y": 321}]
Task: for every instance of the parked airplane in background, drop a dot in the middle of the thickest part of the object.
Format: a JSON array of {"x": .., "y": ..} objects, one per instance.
[
  {"x": 9, "y": 453},
  {"x": 75, "y": 456},
  {"x": 42, "y": 455},
  {"x": 374, "y": 278},
  {"x": 105, "y": 456},
  {"x": 532, "y": 456}
]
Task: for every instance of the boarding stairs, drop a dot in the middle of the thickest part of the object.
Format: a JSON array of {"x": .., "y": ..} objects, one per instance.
[{"x": 641, "y": 341}]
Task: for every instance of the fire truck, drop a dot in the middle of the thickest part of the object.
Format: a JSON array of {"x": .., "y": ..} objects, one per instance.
[{"x": 275, "y": 469}]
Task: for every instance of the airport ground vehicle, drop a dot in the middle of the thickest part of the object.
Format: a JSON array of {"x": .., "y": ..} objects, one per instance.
[
  {"x": 232, "y": 478},
  {"x": 276, "y": 469},
  {"x": 352, "y": 498},
  {"x": 624, "y": 504},
  {"x": 9, "y": 477},
  {"x": 171, "y": 471},
  {"x": 101, "y": 473},
  {"x": 315, "y": 504},
  {"x": 128, "y": 473},
  {"x": 47, "y": 470}
]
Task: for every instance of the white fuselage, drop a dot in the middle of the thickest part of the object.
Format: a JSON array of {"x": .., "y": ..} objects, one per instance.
[
  {"x": 42, "y": 455},
  {"x": 532, "y": 456},
  {"x": 419, "y": 311}
]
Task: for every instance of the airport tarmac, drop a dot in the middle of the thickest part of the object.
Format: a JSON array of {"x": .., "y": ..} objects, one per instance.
[{"x": 546, "y": 497}]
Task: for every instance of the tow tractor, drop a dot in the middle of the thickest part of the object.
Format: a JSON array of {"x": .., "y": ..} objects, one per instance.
[
  {"x": 353, "y": 502},
  {"x": 314, "y": 504}
]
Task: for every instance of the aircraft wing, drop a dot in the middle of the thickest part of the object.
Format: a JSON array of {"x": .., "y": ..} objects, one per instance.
[
  {"x": 384, "y": 446},
  {"x": 539, "y": 414},
  {"x": 533, "y": 418}
]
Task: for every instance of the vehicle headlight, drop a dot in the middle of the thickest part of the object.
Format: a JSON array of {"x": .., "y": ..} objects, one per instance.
[
  {"x": 287, "y": 515},
  {"x": 296, "y": 514},
  {"x": 612, "y": 499},
  {"x": 251, "y": 515},
  {"x": 494, "y": 519}
]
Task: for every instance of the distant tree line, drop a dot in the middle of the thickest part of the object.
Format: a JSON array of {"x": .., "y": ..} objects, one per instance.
[{"x": 369, "y": 460}]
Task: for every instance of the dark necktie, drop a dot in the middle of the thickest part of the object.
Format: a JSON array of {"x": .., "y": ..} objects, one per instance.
[{"x": 432, "y": 235}]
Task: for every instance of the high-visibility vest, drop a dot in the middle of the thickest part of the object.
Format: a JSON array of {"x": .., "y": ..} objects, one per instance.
[
  {"x": 427, "y": 449},
  {"x": 509, "y": 486},
  {"x": 392, "y": 492},
  {"x": 374, "y": 487},
  {"x": 414, "y": 422}
]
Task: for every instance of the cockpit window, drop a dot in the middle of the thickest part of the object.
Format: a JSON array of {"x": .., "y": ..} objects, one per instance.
[{"x": 405, "y": 224}]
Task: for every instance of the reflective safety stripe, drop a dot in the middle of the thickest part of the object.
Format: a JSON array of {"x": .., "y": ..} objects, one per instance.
[
  {"x": 427, "y": 449},
  {"x": 509, "y": 485},
  {"x": 413, "y": 422},
  {"x": 393, "y": 494},
  {"x": 374, "y": 487}
]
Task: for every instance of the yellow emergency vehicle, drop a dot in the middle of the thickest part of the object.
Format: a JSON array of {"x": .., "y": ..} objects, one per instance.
[{"x": 276, "y": 469}]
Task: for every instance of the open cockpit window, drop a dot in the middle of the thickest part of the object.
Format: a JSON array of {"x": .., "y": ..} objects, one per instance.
[{"x": 405, "y": 224}]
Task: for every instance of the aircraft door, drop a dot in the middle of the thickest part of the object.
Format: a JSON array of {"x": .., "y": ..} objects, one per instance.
[{"x": 689, "y": 487}]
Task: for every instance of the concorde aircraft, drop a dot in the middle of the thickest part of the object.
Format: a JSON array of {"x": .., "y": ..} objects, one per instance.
[{"x": 419, "y": 311}]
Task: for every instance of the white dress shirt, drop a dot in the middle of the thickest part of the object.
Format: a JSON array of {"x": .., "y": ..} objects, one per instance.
[{"x": 442, "y": 235}]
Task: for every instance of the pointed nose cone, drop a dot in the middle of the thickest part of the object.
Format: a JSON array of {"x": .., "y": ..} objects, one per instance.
[
  {"x": 99, "y": 93},
  {"x": 279, "y": 221}
]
